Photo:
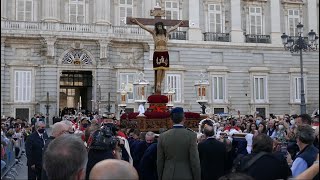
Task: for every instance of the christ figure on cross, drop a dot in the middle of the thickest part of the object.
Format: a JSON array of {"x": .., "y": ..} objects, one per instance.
[{"x": 160, "y": 37}]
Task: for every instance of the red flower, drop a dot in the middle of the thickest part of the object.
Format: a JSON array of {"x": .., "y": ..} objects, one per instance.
[
  {"x": 191, "y": 115},
  {"x": 157, "y": 99},
  {"x": 157, "y": 115},
  {"x": 130, "y": 115}
]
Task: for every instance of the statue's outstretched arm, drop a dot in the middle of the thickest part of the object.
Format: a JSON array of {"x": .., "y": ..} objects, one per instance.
[
  {"x": 142, "y": 26},
  {"x": 175, "y": 27}
]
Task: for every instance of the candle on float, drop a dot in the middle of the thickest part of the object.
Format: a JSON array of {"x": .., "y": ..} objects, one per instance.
[{"x": 203, "y": 91}]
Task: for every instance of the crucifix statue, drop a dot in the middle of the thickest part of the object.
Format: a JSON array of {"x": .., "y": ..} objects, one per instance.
[{"x": 160, "y": 37}]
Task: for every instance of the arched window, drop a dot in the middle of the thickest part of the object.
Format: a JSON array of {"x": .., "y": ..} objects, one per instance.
[
  {"x": 24, "y": 10},
  {"x": 77, "y": 57}
]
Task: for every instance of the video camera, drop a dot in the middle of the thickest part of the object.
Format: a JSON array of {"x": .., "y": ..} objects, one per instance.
[{"x": 105, "y": 138}]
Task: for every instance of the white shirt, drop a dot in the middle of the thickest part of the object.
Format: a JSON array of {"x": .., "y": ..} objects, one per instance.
[{"x": 141, "y": 109}]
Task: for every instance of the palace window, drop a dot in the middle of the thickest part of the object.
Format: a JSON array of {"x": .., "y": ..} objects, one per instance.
[
  {"x": 255, "y": 20},
  {"x": 218, "y": 88},
  {"x": 77, "y": 11},
  {"x": 22, "y": 86},
  {"x": 128, "y": 80},
  {"x": 126, "y": 10},
  {"x": 174, "y": 81},
  {"x": 172, "y": 10},
  {"x": 260, "y": 89},
  {"x": 293, "y": 21},
  {"x": 297, "y": 89},
  {"x": 24, "y": 11},
  {"x": 215, "y": 18}
]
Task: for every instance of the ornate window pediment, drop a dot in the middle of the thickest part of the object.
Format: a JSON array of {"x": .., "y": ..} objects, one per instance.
[{"x": 77, "y": 57}]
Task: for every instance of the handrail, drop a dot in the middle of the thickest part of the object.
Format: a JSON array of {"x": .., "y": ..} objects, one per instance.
[
  {"x": 10, "y": 154},
  {"x": 254, "y": 38},
  {"x": 212, "y": 36},
  {"x": 70, "y": 27}
]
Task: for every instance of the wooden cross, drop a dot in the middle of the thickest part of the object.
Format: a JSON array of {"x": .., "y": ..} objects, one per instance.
[{"x": 158, "y": 13}]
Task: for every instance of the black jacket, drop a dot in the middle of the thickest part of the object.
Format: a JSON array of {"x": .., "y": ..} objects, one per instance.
[
  {"x": 213, "y": 156},
  {"x": 34, "y": 149},
  {"x": 43, "y": 172},
  {"x": 148, "y": 164},
  {"x": 268, "y": 167}
]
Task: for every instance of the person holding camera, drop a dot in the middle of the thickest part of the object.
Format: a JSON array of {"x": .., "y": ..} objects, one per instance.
[{"x": 104, "y": 143}]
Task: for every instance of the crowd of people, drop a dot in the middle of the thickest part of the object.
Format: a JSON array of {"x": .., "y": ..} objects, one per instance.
[{"x": 94, "y": 147}]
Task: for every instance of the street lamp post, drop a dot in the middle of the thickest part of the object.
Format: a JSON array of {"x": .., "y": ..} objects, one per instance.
[
  {"x": 47, "y": 110},
  {"x": 297, "y": 47}
]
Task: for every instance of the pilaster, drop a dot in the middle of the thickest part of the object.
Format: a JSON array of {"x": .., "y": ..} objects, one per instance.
[
  {"x": 3, "y": 39},
  {"x": 3, "y": 10},
  {"x": 151, "y": 46},
  {"x": 102, "y": 12},
  {"x": 236, "y": 30},
  {"x": 50, "y": 10},
  {"x": 194, "y": 21},
  {"x": 312, "y": 15},
  {"x": 275, "y": 22}
]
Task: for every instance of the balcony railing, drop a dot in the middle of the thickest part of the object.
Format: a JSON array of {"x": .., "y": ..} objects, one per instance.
[
  {"x": 178, "y": 35},
  {"x": 70, "y": 27},
  {"x": 211, "y": 36},
  {"x": 251, "y": 38}
]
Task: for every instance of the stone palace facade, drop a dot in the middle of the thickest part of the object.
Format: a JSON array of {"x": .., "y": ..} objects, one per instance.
[{"x": 79, "y": 51}]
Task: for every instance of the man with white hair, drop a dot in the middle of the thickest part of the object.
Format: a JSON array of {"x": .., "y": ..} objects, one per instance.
[
  {"x": 70, "y": 126},
  {"x": 58, "y": 129},
  {"x": 271, "y": 129},
  {"x": 34, "y": 148},
  {"x": 141, "y": 148}
]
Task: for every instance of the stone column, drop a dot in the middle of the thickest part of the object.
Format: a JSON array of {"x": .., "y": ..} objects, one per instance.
[
  {"x": 102, "y": 12},
  {"x": 148, "y": 5},
  {"x": 275, "y": 22},
  {"x": 312, "y": 16},
  {"x": 194, "y": 21},
  {"x": 236, "y": 30},
  {"x": 50, "y": 10},
  {"x": 3, "y": 9},
  {"x": 104, "y": 51}
]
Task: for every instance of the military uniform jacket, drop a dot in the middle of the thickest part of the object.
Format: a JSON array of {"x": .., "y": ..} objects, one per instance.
[{"x": 177, "y": 155}]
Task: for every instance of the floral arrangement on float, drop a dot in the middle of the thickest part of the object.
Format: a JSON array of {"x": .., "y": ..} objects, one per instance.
[
  {"x": 157, "y": 115},
  {"x": 157, "y": 99},
  {"x": 132, "y": 115}
]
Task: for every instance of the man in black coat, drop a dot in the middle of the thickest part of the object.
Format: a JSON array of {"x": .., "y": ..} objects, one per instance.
[
  {"x": 212, "y": 153},
  {"x": 34, "y": 149},
  {"x": 141, "y": 148},
  {"x": 148, "y": 164},
  {"x": 262, "y": 164}
]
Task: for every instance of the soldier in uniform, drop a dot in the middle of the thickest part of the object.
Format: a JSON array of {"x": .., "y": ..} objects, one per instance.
[{"x": 177, "y": 151}]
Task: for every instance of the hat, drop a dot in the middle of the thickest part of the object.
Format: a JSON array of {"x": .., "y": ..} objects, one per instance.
[
  {"x": 108, "y": 116},
  {"x": 85, "y": 119},
  {"x": 177, "y": 110}
]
